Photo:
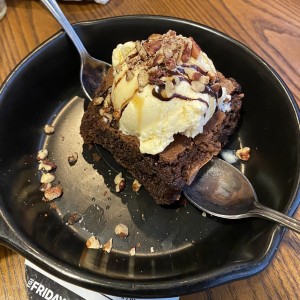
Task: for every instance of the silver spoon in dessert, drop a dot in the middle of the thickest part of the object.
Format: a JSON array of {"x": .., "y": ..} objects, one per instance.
[
  {"x": 92, "y": 70},
  {"x": 223, "y": 191}
]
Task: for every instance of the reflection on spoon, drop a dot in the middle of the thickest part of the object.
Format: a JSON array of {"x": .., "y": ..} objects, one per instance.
[{"x": 223, "y": 191}]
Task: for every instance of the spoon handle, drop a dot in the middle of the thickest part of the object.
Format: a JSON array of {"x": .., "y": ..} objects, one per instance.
[
  {"x": 62, "y": 20},
  {"x": 276, "y": 216}
]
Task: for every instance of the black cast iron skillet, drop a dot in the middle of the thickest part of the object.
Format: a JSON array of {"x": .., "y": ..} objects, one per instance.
[{"x": 191, "y": 252}]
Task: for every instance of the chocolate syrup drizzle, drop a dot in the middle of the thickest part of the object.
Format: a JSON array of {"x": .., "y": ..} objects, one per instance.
[{"x": 157, "y": 91}]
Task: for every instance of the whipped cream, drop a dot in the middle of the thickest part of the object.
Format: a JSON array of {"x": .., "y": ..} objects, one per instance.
[{"x": 164, "y": 86}]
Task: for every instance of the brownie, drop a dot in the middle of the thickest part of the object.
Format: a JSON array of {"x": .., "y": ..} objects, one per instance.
[
  {"x": 164, "y": 175},
  {"x": 162, "y": 68}
]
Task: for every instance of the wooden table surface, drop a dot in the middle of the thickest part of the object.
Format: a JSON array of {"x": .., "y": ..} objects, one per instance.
[{"x": 269, "y": 27}]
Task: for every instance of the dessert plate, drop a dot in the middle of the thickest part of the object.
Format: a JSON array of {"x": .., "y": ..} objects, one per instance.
[{"x": 178, "y": 250}]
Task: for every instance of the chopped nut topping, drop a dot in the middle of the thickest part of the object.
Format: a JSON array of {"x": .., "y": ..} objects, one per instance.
[
  {"x": 72, "y": 159},
  {"x": 204, "y": 79},
  {"x": 132, "y": 251},
  {"x": 45, "y": 186},
  {"x": 168, "y": 52},
  {"x": 119, "y": 182},
  {"x": 53, "y": 193},
  {"x": 159, "y": 58},
  {"x": 47, "y": 165},
  {"x": 152, "y": 45},
  {"x": 212, "y": 76},
  {"x": 136, "y": 186},
  {"x": 121, "y": 230},
  {"x": 108, "y": 245},
  {"x": 129, "y": 75},
  {"x": 93, "y": 243},
  {"x": 151, "y": 249},
  {"x": 107, "y": 117},
  {"x": 49, "y": 129},
  {"x": 74, "y": 218},
  {"x": 143, "y": 78},
  {"x": 141, "y": 50},
  {"x": 42, "y": 154},
  {"x": 47, "y": 178},
  {"x": 195, "y": 49},
  {"x": 98, "y": 100},
  {"x": 243, "y": 153},
  {"x": 187, "y": 52},
  {"x": 197, "y": 86}
]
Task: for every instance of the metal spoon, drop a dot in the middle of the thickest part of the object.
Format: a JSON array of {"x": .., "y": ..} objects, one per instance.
[
  {"x": 92, "y": 70},
  {"x": 223, "y": 191}
]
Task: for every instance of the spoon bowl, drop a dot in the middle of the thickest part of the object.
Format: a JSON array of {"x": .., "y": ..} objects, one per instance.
[
  {"x": 92, "y": 70},
  {"x": 223, "y": 191}
]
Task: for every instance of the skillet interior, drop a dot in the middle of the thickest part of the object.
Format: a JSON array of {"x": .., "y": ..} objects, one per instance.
[{"x": 191, "y": 252}]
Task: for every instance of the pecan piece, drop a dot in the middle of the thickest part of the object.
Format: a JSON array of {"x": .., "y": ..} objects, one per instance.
[
  {"x": 47, "y": 178},
  {"x": 119, "y": 182},
  {"x": 243, "y": 153},
  {"x": 72, "y": 159},
  {"x": 195, "y": 49},
  {"x": 49, "y": 129},
  {"x": 143, "y": 78},
  {"x": 42, "y": 154},
  {"x": 152, "y": 46},
  {"x": 129, "y": 75},
  {"x": 186, "y": 53},
  {"x": 136, "y": 186},
  {"x": 53, "y": 193},
  {"x": 121, "y": 230},
  {"x": 47, "y": 165},
  {"x": 108, "y": 245},
  {"x": 93, "y": 243}
]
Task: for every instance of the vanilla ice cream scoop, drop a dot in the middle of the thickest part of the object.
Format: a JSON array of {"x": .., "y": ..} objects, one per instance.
[{"x": 163, "y": 86}]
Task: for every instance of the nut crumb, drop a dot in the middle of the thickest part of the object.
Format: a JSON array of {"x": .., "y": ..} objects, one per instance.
[
  {"x": 47, "y": 178},
  {"x": 72, "y": 159},
  {"x": 74, "y": 218},
  {"x": 119, "y": 182},
  {"x": 243, "y": 153},
  {"x": 152, "y": 250},
  {"x": 53, "y": 205},
  {"x": 98, "y": 100},
  {"x": 49, "y": 129},
  {"x": 143, "y": 217},
  {"x": 121, "y": 230},
  {"x": 204, "y": 214},
  {"x": 45, "y": 186},
  {"x": 42, "y": 154},
  {"x": 108, "y": 245},
  {"x": 46, "y": 165},
  {"x": 136, "y": 186},
  {"x": 53, "y": 192},
  {"x": 93, "y": 243},
  {"x": 132, "y": 251}
]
